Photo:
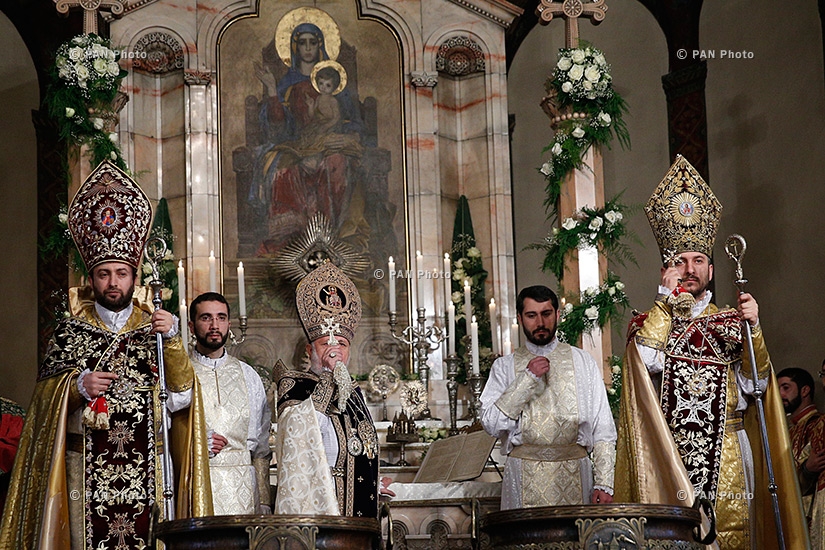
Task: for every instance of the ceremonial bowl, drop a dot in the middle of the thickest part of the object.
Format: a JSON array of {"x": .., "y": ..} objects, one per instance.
[
  {"x": 270, "y": 532},
  {"x": 595, "y": 526}
]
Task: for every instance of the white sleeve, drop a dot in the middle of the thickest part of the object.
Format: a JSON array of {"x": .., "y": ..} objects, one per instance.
[
  {"x": 329, "y": 438},
  {"x": 260, "y": 417},
  {"x": 177, "y": 401},
  {"x": 495, "y": 422}
]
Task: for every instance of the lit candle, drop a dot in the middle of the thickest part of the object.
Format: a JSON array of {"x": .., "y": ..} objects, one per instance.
[
  {"x": 184, "y": 325},
  {"x": 514, "y": 333},
  {"x": 468, "y": 306},
  {"x": 391, "y": 269},
  {"x": 507, "y": 348},
  {"x": 419, "y": 275},
  {"x": 474, "y": 344},
  {"x": 181, "y": 281},
  {"x": 241, "y": 291},
  {"x": 494, "y": 326},
  {"x": 451, "y": 328},
  {"x": 213, "y": 273}
]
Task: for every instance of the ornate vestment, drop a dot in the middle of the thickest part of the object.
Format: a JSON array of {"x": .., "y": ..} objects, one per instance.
[
  {"x": 108, "y": 499},
  {"x": 807, "y": 429},
  {"x": 693, "y": 438},
  {"x": 550, "y": 427},
  {"x": 235, "y": 406},
  {"x": 306, "y": 482}
]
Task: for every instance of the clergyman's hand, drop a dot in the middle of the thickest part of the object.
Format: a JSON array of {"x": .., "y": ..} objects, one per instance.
[
  {"x": 600, "y": 497},
  {"x": 162, "y": 321},
  {"x": 748, "y": 309},
  {"x": 538, "y": 366},
  {"x": 218, "y": 443},
  {"x": 816, "y": 462},
  {"x": 95, "y": 383}
]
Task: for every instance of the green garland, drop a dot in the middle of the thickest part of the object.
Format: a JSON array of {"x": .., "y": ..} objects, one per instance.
[
  {"x": 84, "y": 82},
  {"x": 614, "y": 390},
  {"x": 595, "y": 308}
]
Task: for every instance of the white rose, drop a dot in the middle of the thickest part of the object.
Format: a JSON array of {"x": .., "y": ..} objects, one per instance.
[
  {"x": 546, "y": 169},
  {"x": 578, "y": 132},
  {"x": 473, "y": 252},
  {"x": 591, "y": 291},
  {"x": 113, "y": 137},
  {"x": 147, "y": 268},
  {"x": 81, "y": 71},
  {"x": 456, "y": 297},
  {"x": 604, "y": 119},
  {"x": 98, "y": 51},
  {"x": 459, "y": 274},
  {"x": 564, "y": 63},
  {"x": 568, "y": 308},
  {"x": 587, "y": 85},
  {"x": 611, "y": 391},
  {"x": 61, "y": 61},
  {"x": 81, "y": 84},
  {"x": 97, "y": 123},
  {"x": 112, "y": 155},
  {"x": 113, "y": 68},
  {"x": 592, "y": 313},
  {"x": 63, "y": 218},
  {"x": 611, "y": 291},
  {"x": 566, "y": 87},
  {"x": 616, "y": 369},
  {"x": 75, "y": 54},
  {"x": 619, "y": 285},
  {"x": 612, "y": 216},
  {"x": 101, "y": 65},
  {"x": 556, "y": 150},
  {"x": 577, "y": 56},
  {"x": 64, "y": 73},
  {"x": 595, "y": 223},
  {"x": 576, "y": 72},
  {"x": 599, "y": 59},
  {"x": 592, "y": 73},
  {"x": 69, "y": 112},
  {"x": 569, "y": 224}
]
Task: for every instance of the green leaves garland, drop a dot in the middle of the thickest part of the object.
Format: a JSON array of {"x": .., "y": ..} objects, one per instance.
[
  {"x": 585, "y": 110},
  {"x": 84, "y": 83},
  {"x": 596, "y": 307}
]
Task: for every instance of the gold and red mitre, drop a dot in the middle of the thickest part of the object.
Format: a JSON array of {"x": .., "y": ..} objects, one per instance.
[
  {"x": 683, "y": 211},
  {"x": 110, "y": 218},
  {"x": 328, "y": 303}
]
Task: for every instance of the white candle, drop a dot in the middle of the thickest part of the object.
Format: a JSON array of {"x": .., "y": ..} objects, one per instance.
[
  {"x": 419, "y": 275},
  {"x": 494, "y": 326},
  {"x": 213, "y": 273},
  {"x": 448, "y": 287},
  {"x": 507, "y": 348},
  {"x": 241, "y": 291},
  {"x": 436, "y": 293},
  {"x": 184, "y": 325},
  {"x": 514, "y": 333},
  {"x": 474, "y": 344},
  {"x": 451, "y": 328},
  {"x": 181, "y": 281},
  {"x": 468, "y": 306},
  {"x": 391, "y": 270}
]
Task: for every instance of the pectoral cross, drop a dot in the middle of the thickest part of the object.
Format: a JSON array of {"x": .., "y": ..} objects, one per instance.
[
  {"x": 331, "y": 327},
  {"x": 90, "y": 9},
  {"x": 571, "y": 10}
]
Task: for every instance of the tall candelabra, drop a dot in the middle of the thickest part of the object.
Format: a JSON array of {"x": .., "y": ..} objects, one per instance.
[
  {"x": 452, "y": 361},
  {"x": 424, "y": 340}
]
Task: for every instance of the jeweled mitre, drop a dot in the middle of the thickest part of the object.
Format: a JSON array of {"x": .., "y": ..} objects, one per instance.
[
  {"x": 683, "y": 211},
  {"x": 328, "y": 303},
  {"x": 110, "y": 218}
]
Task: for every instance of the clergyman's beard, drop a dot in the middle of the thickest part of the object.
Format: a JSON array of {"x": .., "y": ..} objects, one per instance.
[
  {"x": 205, "y": 343},
  {"x": 793, "y": 404},
  {"x": 315, "y": 362},
  {"x": 541, "y": 340},
  {"x": 118, "y": 304}
]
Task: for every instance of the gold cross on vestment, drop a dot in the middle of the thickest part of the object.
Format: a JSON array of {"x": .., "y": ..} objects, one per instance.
[
  {"x": 90, "y": 9},
  {"x": 571, "y": 10},
  {"x": 331, "y": 327}
]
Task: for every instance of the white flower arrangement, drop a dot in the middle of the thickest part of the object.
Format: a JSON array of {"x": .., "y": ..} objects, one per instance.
[
  {"x": 88, "y": 62},
  {"x": 596, "y": 306},
  {"x": 583, "y": 73}
]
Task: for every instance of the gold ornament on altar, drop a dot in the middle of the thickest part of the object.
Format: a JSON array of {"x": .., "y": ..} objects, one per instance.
[
  {"x": 683, "y": 212},
  {"x": 413, "y": 398},
  {"x": 383, "y": 380}
]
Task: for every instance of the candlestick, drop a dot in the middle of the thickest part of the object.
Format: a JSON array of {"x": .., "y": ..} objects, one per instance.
[
  {"x": 436, "y": 294},
  {"x": 451, "y": 328},
  {"x": 184, "y": 325},
  {"x": 514, "y": 333},
  {"x": 391, "y": 270},
  {"x": 181, "y": 281},
  {"x": 241, "y": 291},
  {"x": 213, "y": 273},
  {"x": 468, "y": 306},
  {"x": 474, "y": 344},
  {"x": 494, "y": 326}
]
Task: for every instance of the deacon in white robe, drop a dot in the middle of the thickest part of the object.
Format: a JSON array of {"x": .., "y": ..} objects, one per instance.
[{"x": 556, "y": 427}]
